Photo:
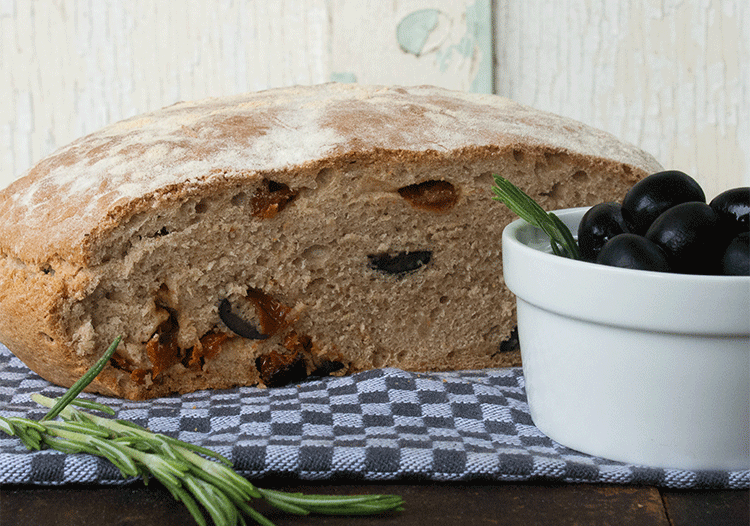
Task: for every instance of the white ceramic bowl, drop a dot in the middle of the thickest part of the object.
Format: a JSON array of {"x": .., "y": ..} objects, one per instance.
[{"x": 641, "y": 367}]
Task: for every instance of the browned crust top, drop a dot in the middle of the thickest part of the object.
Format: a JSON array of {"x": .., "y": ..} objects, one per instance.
[{"x": 85, "y": 188}]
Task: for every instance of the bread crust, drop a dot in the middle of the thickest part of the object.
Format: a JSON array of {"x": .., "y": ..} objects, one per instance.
[{"x": 68, "y": 225}]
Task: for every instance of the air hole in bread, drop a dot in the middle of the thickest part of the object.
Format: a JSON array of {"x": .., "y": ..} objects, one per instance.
[
  {"x": 323, "y": 177},
  {"x": 556, "y": 158},
  {"x": 379, "y": 357},
  {"x": 114, "y": 295},
  {"x": 434, "y": 196},
  {"x": 315, "y": 256},
  {"x": 163, "y": 296},
  {"x": 163, "y": 231},
  {"x": 580, "y": 176},
  {"x": 553, "y": 193},
  {"x": 270, "y": 198},
  {"x": 239, "y": 199},
  {"x": 485, "y": 179},
  {"x": 201, "y": 207}
]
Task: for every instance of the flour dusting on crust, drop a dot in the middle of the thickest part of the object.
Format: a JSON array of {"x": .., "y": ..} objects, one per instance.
[{"x": 194, "y": 143}]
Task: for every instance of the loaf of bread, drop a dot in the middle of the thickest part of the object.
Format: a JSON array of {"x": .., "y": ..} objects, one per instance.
[{"x": 262, "y": 238}]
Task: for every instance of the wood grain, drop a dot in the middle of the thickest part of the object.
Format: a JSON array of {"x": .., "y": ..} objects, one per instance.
[
  {"x": 711, "y": 508},
  {"x": 432, "y": 504},
  {"x": 670, "y": 76}
]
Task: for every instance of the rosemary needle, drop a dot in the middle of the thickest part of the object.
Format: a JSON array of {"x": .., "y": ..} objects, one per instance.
[
  {"x": 562, "y": 241},
  {"x": 198, "y": 477},
  {"x": 85, "y": 380}
]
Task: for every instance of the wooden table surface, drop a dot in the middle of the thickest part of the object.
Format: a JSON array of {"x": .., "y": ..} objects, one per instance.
[{"x": 431, "y": 503}]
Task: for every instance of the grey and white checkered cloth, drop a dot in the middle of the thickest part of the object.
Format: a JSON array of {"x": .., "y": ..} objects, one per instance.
[{"x": 385, "y": 424}]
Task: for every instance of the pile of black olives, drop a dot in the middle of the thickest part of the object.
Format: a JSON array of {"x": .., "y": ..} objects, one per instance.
[{"x": 664, "y": 224}]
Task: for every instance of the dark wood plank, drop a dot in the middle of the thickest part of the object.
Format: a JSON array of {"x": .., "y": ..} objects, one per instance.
[
  {"x": 426, "y": 504},
  {"x": 511, "y": 505},
  {"x": 132, "y": 505},
  {"x": 707, "y": 508}
]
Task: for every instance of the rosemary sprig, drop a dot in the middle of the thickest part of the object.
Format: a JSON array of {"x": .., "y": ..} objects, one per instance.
[
  {"x": 195, "y": 475},
  {"x": 562, "y": 241}
]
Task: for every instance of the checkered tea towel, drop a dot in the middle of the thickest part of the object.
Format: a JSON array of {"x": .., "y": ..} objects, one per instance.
[{"x": 384, "y": 424}]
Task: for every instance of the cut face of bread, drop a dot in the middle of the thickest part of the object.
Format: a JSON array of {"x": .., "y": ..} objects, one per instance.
[{"x": 263, "y": 238}]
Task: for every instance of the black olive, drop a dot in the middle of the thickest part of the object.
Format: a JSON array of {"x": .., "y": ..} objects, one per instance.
[
  {"x": 599, "y": 224},
  {"x": 400, "y": 263},
  {"x": 690, "y": 234},
  {"x": 327, "y": 367},
  {"x": 634, "y": 252},
  {"x": 238, "y": 325},
  {"x": 736, "y": 258},
  {"x": 733, "y": 208},
  {"x": 650, "y": 197},
  {"x": 512, "y": 343},
  {"x": 278, "y": 369}
]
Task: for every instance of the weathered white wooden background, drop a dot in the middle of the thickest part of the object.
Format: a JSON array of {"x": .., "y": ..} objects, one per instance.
[{"x": 669, "y": 75}]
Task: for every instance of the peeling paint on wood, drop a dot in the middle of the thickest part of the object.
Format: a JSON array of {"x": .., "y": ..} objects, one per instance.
[
  {"x": 346, "y": 77},
  {"x": 415, "y": 28},
  {"x": 670, "y": 76}
]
